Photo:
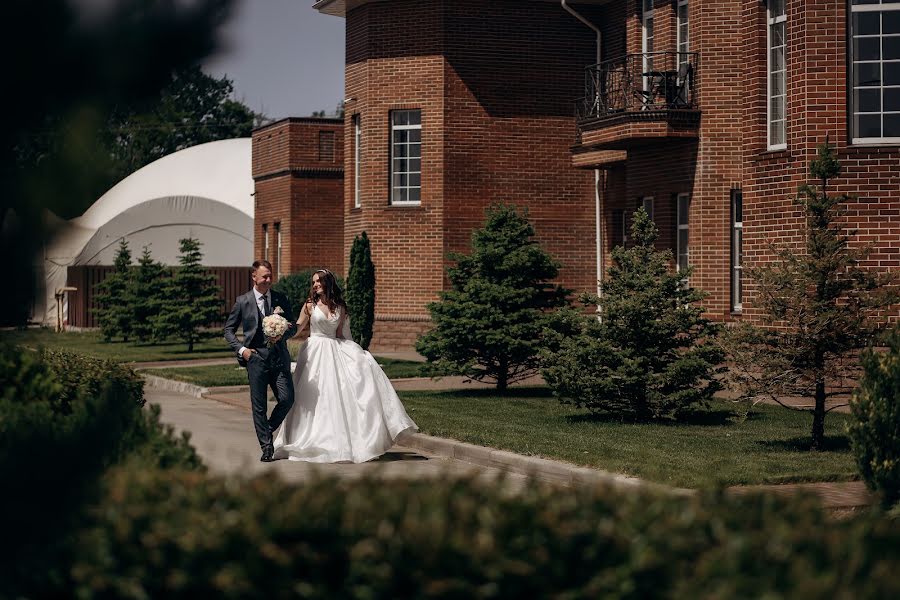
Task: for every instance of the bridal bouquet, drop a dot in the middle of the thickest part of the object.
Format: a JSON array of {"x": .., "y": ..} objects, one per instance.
[{"x": 274, "y": 326}]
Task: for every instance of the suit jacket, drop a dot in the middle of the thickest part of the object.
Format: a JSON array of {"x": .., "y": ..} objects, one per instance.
[{"x": 246, "y": 314}]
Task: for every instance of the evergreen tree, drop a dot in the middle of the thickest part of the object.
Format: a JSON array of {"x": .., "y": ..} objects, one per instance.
[
  {"x": 361, "y": 291},
  {"x": 144, "y": 295},
  {"x": 875, "y": 429},
  {"x": 652, "y": 353},
  {"x": 113, "y": 311},
  {"x": 489, "y": 325},
  {"x": 192, "y": 300},
  {"x": 820, "y": 307}
]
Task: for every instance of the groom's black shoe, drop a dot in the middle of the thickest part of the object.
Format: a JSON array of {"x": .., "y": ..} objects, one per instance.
[{"x": 267, "y": 455}]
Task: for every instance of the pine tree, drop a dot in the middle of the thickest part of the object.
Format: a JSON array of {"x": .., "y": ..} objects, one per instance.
[
  {"x": 361, "y": 291},
  {"x": 652, "y": 355},
  {"x": 489, "y": 325},
  {"x": 144, "y": 295},
  {"x": 113, "y": 311},
  {"x": 191, "y": 299},
  {"x": 819, "y": 305}
]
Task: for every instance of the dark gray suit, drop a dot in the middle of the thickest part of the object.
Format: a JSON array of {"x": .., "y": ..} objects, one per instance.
[{"x": 266, "y": 367}]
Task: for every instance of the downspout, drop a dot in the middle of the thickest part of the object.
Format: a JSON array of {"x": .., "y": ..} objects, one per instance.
[{"x": 598, "y": 208}]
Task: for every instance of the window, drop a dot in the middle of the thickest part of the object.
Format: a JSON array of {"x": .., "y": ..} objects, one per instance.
[
  {"x": 357, "y": 159},
  {"x": 647, "y": 204},
  {"x": 266, "y": 242},
  {"x": 326, "y": 146},
  {"x": 406, "y": 156},
  {"x": 683, "y": 205},
  {"x": 682, "y": 36},
  {"x": 278, "y": 249},
  {"x": 737, "y": 250},
  {"x": 777, "y": 76},
  {"x": 619, "y": 227},
  {"x": 875, "y": 71},
  {"x": 647, "y": 39}
]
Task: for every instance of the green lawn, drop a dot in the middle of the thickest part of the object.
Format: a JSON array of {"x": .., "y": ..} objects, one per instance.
[
  {"x": 714, "y": 447},
  {"x": 92, "y": 343},
  {"x": 231, "y": 374}
]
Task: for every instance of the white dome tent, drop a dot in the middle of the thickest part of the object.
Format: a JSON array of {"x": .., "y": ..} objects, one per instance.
[{"x": 204, "y": 191}]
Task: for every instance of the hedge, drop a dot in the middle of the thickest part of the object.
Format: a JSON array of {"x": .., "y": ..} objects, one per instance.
[{"x": 174, "y": 535}]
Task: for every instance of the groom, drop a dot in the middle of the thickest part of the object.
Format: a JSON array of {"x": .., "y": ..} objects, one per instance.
[{"x": 265, "y": 366}]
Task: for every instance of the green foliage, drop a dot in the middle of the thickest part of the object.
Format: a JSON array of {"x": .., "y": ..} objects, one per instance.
[
  {"x": 489, "y": 326},
  {"x": 190, "y": 298},
  {"x": 875, "y": 429},
  {"x": 112, "y": 310},
  {"x": 193, "y": 108},
  {"x": 652, "y": 355},
  {"x": 64, "y": 419},
  {"x": 361, "y": 291},
  {"x": 296, "y": 287},
  {"x": 819, "y": 305},
  {"x": 181, "y": 535},
  {"x": 144, "y": 295},
  {"x": 92, "y": 60}
]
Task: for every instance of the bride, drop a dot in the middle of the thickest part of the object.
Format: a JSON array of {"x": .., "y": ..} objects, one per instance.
[{"x": 345, "y": 409}]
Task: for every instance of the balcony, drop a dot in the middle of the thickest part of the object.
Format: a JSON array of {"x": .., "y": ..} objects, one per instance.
[{"x": 638, "y": 99}]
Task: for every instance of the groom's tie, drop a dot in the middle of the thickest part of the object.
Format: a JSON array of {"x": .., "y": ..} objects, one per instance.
[{"x": 266, "y": 311}]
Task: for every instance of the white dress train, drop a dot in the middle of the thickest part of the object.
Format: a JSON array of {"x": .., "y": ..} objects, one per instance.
[{"x": 345, "y": 408}]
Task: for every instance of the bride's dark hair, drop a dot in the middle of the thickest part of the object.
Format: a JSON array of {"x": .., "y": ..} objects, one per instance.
[{"x": 331, "y": 295}]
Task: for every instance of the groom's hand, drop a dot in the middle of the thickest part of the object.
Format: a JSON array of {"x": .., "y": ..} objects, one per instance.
[{"x": 247, "y": 353}]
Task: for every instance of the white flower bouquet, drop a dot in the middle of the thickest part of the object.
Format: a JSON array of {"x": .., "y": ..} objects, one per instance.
[{"x": 274, "y": 326}]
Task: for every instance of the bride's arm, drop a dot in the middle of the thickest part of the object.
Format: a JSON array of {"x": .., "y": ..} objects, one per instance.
[
  {"x": 343, "y": 330},
  {"x": 305, "y": 312}
]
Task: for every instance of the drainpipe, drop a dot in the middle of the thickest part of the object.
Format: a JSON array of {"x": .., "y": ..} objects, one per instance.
[{"x": 598, "y": 208}]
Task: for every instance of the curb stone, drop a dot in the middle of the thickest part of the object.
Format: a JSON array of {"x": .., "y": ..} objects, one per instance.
[
  {"x": 551, "y": 471},
  {"x": 170, "y": 385}
]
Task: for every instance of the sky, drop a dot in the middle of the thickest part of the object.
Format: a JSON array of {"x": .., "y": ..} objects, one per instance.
[{"x": 285, "y": 59}]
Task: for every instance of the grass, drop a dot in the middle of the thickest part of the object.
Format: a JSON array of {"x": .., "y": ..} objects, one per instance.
[
  {"x": 91, "y": 343},
  {"x": 231, "y": 374},
  {"x": 715, "y": 447}
]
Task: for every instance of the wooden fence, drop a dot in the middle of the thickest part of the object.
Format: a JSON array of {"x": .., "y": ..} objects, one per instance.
[{"x": 233, "y": 281}]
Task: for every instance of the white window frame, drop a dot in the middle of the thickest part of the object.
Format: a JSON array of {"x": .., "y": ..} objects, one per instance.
[
  {"x": 647, "y": 42},
  {"x": 737, "y": 254},
  {"x": 682, "y": 208},
  {"x": 277, "y": 249},
  {"x": 682, "y": 43},
  {"x": 770, "y": 23},
  {"x": 859, "y": 8},
  {"x": 357, "y": 159},
  {"x": 394, "y": 128},
  {"x": 265, "y": 241},
  {"x": 647, "y": 205}
]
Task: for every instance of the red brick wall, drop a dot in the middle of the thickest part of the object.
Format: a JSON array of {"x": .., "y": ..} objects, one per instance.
[
  {"x": 817, "y": 107},
  {"x": 299, "y": 186},
  {"x": 496, "y": 85}
]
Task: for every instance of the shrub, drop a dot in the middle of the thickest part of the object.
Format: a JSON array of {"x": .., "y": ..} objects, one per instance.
[
  {"x": 296, "y": 287},
  {"x": 361, "y": 291},
  {"x": 113, "y": 311},
  {"x": 178, "y": 535},
  {"x": 64, "y": 419},
  {"x": 652, "y": 355},
  {"x": 875, "y": 429}
]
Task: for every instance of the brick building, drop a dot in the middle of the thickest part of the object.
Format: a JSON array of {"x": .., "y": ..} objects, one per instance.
[{"x": 705, "y": 112}]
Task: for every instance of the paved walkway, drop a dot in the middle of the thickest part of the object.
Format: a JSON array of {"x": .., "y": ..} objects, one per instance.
[{"x": 223, "y": 435}]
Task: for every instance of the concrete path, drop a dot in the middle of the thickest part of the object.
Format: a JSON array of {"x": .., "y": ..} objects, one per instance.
[{"x": 223, "y": 436}]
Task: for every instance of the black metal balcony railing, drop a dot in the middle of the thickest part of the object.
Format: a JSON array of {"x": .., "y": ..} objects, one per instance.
[{"x": 652, "y": 81}]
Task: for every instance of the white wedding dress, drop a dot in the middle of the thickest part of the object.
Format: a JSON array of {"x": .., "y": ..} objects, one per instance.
[{"x": 345, "y": 409}]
